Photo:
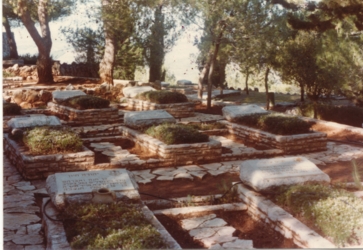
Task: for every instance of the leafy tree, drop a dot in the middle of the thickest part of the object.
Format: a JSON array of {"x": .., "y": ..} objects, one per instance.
[
  {"x": 41, "y": 12},
  {"x": 9, "y": 15}
]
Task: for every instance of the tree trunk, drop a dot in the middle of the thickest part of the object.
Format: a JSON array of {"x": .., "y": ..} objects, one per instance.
[
  {"x": 266, "y": 88},
  {"x": 247, "y": 75},
  {"x": 210, "y": 74},
  {"x": 108, "y": 60},
  {"x": 10, "y": 39},
  {"x": 201, "y": 79},
  {"x": 157, "y": 46},
  {"x": 43, "y": 40},
  {"x": 302, "y": 93}
]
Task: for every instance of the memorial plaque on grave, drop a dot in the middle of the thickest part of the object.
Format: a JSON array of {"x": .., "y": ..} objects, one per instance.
[
  {"x": 140, "y": 119},
  {"x": 61, "y": 95},
  {"x": 76, "y": 187},
  {"x": 230, "y": 113},
  {"x": 32, "y": 121},
  {"x": 264, "y": 174}
]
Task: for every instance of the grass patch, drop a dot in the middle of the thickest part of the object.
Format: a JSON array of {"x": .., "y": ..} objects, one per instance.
[
  {"x": 207, "y": 126},
  {"x": 162, "y": 97},
  {"x": 176, "y": 134},
  {"x": 109, "y": 226},
  {"x": 276, "y": 123},
  {"x": 86, "y": 102},
  {"x": 348, "y": 115},
  {"x": 52, "y": 140},
  {"x": 11, "y": 109},
  {"x": 335, "y": 211}
]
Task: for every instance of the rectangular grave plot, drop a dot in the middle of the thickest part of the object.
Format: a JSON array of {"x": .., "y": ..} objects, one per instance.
[
  {"x": 290, "y": 144},
  {"x": 33, "y": 167},
  {"x": 87, "y": 116},
  {"x": 180, "y": 154},
  {"x": 177, "y": 110}
]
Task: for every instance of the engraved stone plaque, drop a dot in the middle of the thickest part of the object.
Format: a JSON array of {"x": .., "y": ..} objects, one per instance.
[
  {"x": 140, "y": 119},
  {"x": 60, "y": 95},
  {"x": 230, "y": 113},
  {"x": 32, "y": 121},
  {"x": 76, "y": 187},
  {"x": 267, "y": 173}
]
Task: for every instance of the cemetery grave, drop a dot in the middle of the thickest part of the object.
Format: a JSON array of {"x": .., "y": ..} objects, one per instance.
[{"x": 166, "y": 175}]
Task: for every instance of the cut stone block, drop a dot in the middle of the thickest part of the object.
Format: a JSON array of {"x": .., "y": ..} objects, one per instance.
[
  {"x": 132, "y": 92},
  {"x": 60, "y": 96},
  {"x": 239, "y": 244},
  {"x": 184, "y": 82},
  {"x": 230, "y": 113},
  {"x": 32, "y": 121},
  {"x": 189, "y": 224},
  {"x": 61, "y": 186},
  {"x": 265, "y": 174},
  {"x": 140, "y": 119}
]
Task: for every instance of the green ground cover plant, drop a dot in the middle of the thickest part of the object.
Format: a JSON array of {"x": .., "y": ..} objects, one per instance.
[
  {"x": 52, "y": 140},
  {"x": 87, "y": 102},
  {"x": 337, "y": 212},
  {"x": 109, "y": 226},
  {"x": 176, "y": 134},
  {"x": 162, "y": 97},
  {"x": 7, "y": 74},
  {"x": 349, "y": 115},
  {"x": 275, "y": 123},
  {"x": 11, "y": 109},
  {"x": 207, "y": 126}
]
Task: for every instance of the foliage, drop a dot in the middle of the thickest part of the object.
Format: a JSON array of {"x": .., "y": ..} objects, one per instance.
[
  {"x": 176, "y": 134},
  {"x": 7, "y": 74},
  {"x": 230, "y": 193},
  {"x": 11, "y": 109},
  {"x": 276, "y": 123},
  {"x": 110, "y": 226},
  {"x": 348, "y": 115},
  {"x": 52, "y": 140},
  {"x": 29, "y": 59},
  {"x": 335, "y": 211},
  {"x": 87, "y": 102},
  {"x": 207, "y": 126},
  {"x": 163, "y": 97}
]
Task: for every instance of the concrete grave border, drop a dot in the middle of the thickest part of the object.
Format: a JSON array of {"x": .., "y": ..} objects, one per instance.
[
  {"x": 33, "y": 167},
  {"x": 290, "y": 144}
]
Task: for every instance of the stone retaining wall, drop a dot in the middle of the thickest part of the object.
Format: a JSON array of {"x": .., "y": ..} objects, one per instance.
[
  {"x": 87, "y": 116},
  {"x": 290, "y": 144},
  {"x": 180, "y": 154},
  {"x": 33, "y": 167},
  {"x": 262, "y": 209},
  {"x": 178, "y": 110}
]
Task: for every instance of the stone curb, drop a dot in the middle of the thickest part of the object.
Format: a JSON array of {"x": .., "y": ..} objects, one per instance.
[{"x": 265, "y": 210}]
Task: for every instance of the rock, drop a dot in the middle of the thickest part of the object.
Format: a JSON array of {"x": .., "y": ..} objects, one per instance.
[
  {"x": 31, "y": 96},
  {"x": 132, "y": 92},
  {"x": 17, "y": 96},
  {"x": 184, "y": 82},
  {"x": 59, "y": 96},
  {"x": 141, "y": 119},
  {"x": 25, "y": 105},
  {"x": 70, "y": 87},
  {"x": 230, "y": 113}
]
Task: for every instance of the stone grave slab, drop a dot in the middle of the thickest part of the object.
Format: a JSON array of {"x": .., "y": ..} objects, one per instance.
[
  {"x": 60, "y": 95},
  {"x": 184, "y": 82},
  {"x": 230, "y": 113},
  {"x": 32, "y": 121},
  {"x": 74, "y": 187},
  {"x": 132, "y": 92},
  {"x": 139, "y": 119},
  {"x": 265, "y": 174}
]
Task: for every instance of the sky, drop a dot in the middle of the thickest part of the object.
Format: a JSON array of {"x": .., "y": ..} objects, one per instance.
[{"x": 178, "y": 61}]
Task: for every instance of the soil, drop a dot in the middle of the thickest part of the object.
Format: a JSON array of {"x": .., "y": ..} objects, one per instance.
[{"x": 246, "y": 228}]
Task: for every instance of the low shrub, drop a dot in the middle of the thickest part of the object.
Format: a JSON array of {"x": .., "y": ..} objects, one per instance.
[
  {"x": 276, "y": 123},
  {"x": 52, "y": 140},
  {"x": 87, "y": 102},
  {"x": 29, "y": 59},
  {"x": 337, "y": 212},
  {"x": 109, "y": 226},
  {"x": 349, "y": 115},
  {"x": 176, "y": 134},
  {"x": 11, "y": 109},
  {"x": 162, "y": 97}
]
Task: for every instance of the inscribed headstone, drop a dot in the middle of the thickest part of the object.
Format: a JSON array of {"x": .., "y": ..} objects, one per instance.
[
  {"x": 61, "y": 95},
  {"x": 267, "y": 173},
  {"x": 132, "y": 92},
  {"x": 230, "y": 113},
  {"x": 32, "y": 121},
  {"x": 140, "y": 119}
]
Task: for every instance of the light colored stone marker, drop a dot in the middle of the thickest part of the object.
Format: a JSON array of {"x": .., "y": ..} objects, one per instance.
[
  {"x": 239, "y": 244},
  {"x": 61, "y": 95},
  {"x": 131, "y": 92},
  {"x": 230, "y": 113},
  {"x": 267, "y": 173},
  {"x": 33, "y": 121},
  {"x": 140, "y": 119}
]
